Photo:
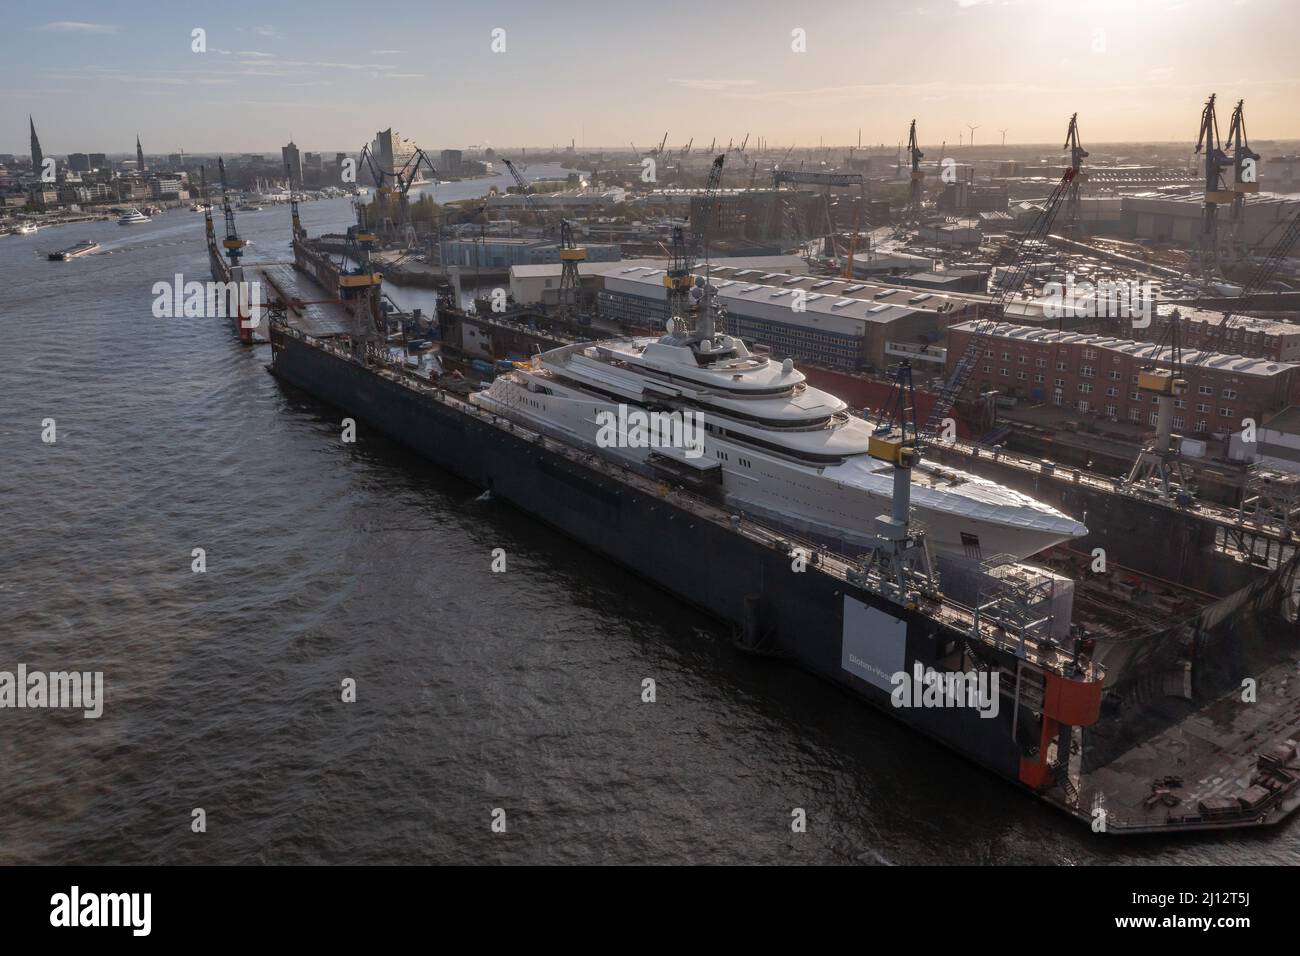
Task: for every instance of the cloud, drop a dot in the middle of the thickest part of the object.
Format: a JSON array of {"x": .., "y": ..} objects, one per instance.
[
  {"x": 266, "y": 31},
  {"x": 75, "y": 26},
  {"x": 703, "y": 84},
  {"x": 387, "y": 52}
]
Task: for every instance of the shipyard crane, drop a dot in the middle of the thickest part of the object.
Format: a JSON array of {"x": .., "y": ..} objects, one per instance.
[
  {"x": 900, "y": 555},
  {"x": 702, "y": 290},
  {"x": 233, "y": 245},
  {"x": 359, "y": 284},
  {"x": 208, "y": 227},
  {"x": 571, "y": 254},
  {"x": 527, "y": 191},
  {"x": 299, "y": 233},
  {"x": 1244, "y": 180},
  {"x": 1015, "y": 260},
  {"x": 1160, "y": 463},
  {"x": 1077, "y": 155},
  {"x": 686, "y": 150},
  {"x": 915, "y": 156},
  {"x": 392, "y": 185},
  {"x": 1216, "y": 191}
]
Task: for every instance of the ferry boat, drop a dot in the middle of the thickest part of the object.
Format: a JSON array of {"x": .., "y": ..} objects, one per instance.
[{"x": 132, "y": 217}]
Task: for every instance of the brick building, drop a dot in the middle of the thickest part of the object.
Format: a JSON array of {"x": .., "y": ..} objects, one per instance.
[
  {"x": 1096, "y": 375},
  {"x": 1264, "y": 338}
]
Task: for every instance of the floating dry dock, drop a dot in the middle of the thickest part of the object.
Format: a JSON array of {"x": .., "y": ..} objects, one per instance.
[{"x": 1161, "y": 737}]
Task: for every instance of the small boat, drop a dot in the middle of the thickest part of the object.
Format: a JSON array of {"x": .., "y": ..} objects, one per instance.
[
  {"x": 24, "y": 229},
  {"x": 132, "y": 217},
  {"x": 83, "y": 248}
]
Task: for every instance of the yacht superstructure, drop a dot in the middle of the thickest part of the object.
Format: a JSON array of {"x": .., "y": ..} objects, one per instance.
[{"x": 780, "y": 449}]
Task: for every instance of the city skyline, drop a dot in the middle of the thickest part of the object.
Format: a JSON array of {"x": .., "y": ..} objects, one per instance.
[{"x": 609, "y": 75}]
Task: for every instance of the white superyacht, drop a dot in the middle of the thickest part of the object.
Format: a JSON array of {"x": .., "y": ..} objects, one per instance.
[{"x": 784, "y": 452}]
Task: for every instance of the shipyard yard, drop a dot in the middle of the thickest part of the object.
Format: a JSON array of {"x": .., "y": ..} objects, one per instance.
[{"x": 539, "y": 485}]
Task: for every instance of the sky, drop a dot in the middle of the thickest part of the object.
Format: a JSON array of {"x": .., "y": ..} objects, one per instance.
[{"x": 329, "y": 74}]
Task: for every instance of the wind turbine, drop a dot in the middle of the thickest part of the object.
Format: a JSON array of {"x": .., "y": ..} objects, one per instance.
[
  {"x": 1004, "y": 136},
  {"x": 972, "y": 134}
]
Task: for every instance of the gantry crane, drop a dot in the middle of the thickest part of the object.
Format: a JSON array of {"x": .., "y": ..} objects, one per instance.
[{"x": 1014, "y": 259}]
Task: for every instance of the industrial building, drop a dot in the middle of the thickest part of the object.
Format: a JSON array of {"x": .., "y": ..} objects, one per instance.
[
  {"x": 540, "y": 283},
  {"x": 1177, "y": 219},
  {"x": 500, "y": 253},
  {"x": 1098, "y": 375},
  {"x": 808, "y": 318}
]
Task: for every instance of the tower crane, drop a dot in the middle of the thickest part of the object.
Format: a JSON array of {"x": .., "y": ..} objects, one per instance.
[
  {"x": 1015, "y": 259},
  {"x": 1216, "y": 191}
]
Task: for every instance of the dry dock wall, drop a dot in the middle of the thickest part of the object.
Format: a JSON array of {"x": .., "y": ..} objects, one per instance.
[{"x": 1149, "y": 538}]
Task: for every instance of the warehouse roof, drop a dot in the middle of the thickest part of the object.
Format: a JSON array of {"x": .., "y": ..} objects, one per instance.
[
  {"x": 1237, "y": 364},
  {"x": 745, "y": 295}
]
